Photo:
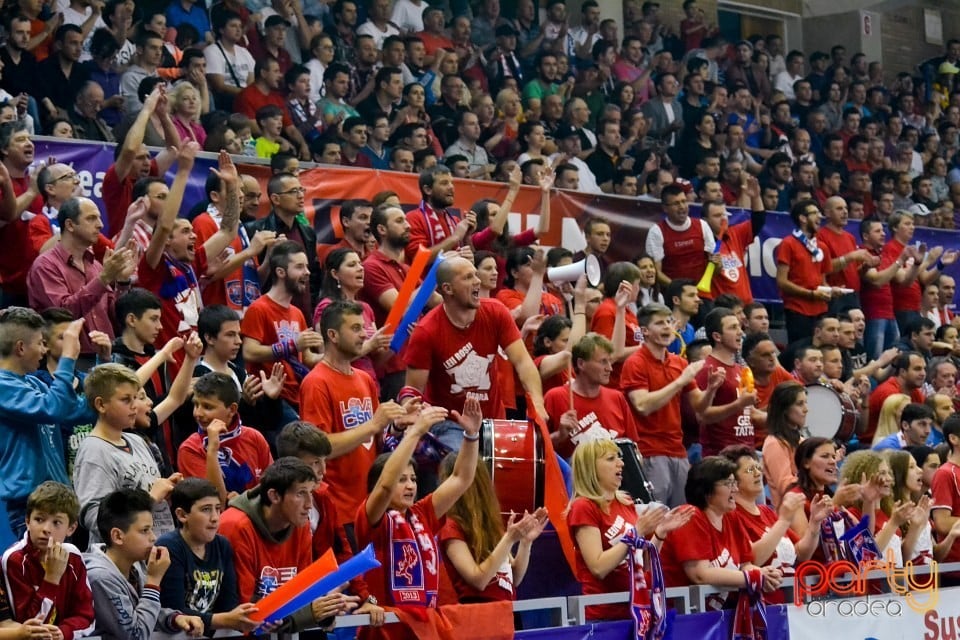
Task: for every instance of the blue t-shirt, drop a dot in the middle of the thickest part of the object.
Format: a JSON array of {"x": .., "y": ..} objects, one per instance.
[{"x": 176, "y": 15}]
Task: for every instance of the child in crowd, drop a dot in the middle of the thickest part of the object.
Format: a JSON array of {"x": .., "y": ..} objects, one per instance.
[
  {"x": 138, "y": 314},
  {"x": 201, "y": 580},
  {"x": 223, "y": 450},
  {"x": 109, "y": 458},
  {"x": 42, "y": 568},
  {"x": 271, "y": 140},
  {"x": 30, "y": 445},
  {"x": 127, "y": 598},
  {"x": 31, "y": 629}
]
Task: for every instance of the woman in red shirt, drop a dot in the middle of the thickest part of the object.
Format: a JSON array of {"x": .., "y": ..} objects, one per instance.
[
  {"x": 599, "y": 515},
  {"x": 772, "y": 542},
  {"x": 713, "y": 548},
  {"x": 477, "y": 549}
]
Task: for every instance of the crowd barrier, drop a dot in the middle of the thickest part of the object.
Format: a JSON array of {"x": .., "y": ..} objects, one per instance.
[{"x": 328, "y": 186}]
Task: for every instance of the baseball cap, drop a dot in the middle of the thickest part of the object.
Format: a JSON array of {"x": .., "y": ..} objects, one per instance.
[{"x": 275, "y": 20}]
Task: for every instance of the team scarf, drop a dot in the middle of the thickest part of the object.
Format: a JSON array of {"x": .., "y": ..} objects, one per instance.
[
  {"x": 240, "y": 295},
  {"x": 414, "y": 563},
  {"x": 749, "y": 618},
  {"x": 182, "y": 280},
  {"x": 434, "y": 226},
  {"x": 237, "y": 476},
  {"x": 816, "y": 253},
  {"x": 648, "y": 606}
]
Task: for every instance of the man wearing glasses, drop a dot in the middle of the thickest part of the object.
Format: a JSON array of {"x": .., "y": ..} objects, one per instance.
[{"x": 287, "y": 201}]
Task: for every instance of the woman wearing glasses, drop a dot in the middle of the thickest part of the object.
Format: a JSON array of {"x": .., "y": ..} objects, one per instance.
[
  {"x": 713, "y": 547},
  {"x": 772, "y": 542}
]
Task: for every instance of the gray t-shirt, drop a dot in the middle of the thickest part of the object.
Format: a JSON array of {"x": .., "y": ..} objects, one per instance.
[{"x": 102, "y": 467}]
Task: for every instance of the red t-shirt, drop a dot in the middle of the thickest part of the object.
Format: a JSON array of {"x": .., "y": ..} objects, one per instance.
[
  {"x": 603, "y": 320},
  {"x": 659, "y": 433},
  {"x": 243, "y": 459},
  {"x": 612, "y": 526},
  {"x": 785, "y": 555},
  {"x": 554, "y": 381},
  {"x": 268, "y": 322},
  {"x": 409, "y": 564},
  {"x": 731, "y": 276},
  {"x": 22, "y": 240},
  {"x": 500, "y": 586},
  {"x": 945, "y": 488},
  {"x": 463, "y": 361},
  {"x": 381, "y": 274},
  {"x": 877, "y": 301},
  {"x": 606, "y": 416},
  {"x": 251, "y": 99},
  {"x": 878, "y": 396},
  {"x": 179, "y": 292},
  {"x": 337, "y": 403},
  {"x": 683, "y": 254},
  {"x": 840, "y": 244},
  {"x": 204, "y": 226},
  {"x": 804, "y": 272},
  {"x": 263, "y": 565},
  {"x": 700, "y": 540},
  {"x": 426, "y": 232},
  {"x": 735, "y": 429},
  {"x": 118, "y": 195},
  {"x": 905, "y": 297}
]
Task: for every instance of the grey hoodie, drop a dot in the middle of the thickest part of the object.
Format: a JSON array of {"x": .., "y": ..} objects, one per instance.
[{"x": 123, "y": 613}]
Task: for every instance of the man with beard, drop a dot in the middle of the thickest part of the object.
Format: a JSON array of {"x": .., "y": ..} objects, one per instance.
[
  {"x": 264, "y": 91},
  {"x": 384, "y": 271},
  {"x": 453, "y": 353},
  {"x": 727, "y": 419},
  {"x": 598, "y": 411},
  {"x": 171, "y": 266},
  {"x": 431, "y": 224},
  {"x": 342, "y": 401},
  {"x": 275, "y": 329},
  {"x": 802, "y": 266}
]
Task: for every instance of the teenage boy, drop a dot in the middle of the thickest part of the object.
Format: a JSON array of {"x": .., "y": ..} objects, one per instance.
[
  {"x": 110, "y": 459},
  {"x": 201, "y": 580},
  {"x": 222, "y": 450},
  {"x": 129, "y": 598},
  {"x": 30, "y": 410},
  {"x": 138, "y": 314},
  {"x": 268, "y": 528},
  {"x": 42, "y": 566}
]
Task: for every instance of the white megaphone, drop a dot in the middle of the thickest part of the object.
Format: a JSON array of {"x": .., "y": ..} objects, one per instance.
[{"x": 570, "y": 272}]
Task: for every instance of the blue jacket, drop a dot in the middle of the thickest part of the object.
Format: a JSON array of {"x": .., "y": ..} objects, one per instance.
[{"x": 31, "y": 450}]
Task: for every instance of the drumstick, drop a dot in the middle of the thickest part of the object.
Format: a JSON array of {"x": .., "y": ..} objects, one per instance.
[{"x": 570, "y": 382}]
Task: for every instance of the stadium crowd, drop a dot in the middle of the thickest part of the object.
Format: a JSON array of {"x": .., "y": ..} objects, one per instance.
[{"x": 198, "y": 402}]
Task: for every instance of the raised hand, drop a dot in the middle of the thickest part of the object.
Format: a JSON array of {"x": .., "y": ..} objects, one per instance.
[
  {"x": 650, "y": 519},
  {"x": 428, "y": 417},
  {"x": 272, "y": 386},
  {"x": 379, "y": 341},
  {"x": 103, "y": 344},
  {"x": 193, "y": 346},
  {"x": 624, "y": 295},
  {"x": 71, "y": 339},
  {"x": 675, "y": 518},
  {"x": 471, "y": 418},
  {"x": 226, "y": 171},
  {"x": 791, "y": 503},
  {"x": 173, "y": 345},
  {"x": 55, "y": 561},
  {"x": 690, "y": 371},
  {"x": 820, "y": 507}
]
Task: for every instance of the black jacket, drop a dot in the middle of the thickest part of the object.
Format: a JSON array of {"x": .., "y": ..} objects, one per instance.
[{"x": 271, "y": 222}]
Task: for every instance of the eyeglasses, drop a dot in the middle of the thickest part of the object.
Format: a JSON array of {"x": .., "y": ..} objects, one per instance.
[
  {"x": 730, "y": 484},
  {"x": 69, "y": 176},
  {"x": 754, "y": 469},
  {"x": 298, "y": 191}
]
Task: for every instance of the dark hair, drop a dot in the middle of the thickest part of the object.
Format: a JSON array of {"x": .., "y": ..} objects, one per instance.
[
  {"x": 335, "y": 68},
  {"x": 804, "y": 452},
  {"x": 617, "y": 273},
  {"x": 283, "y": 474},
  {"x": 751, "y": 341},
  {"x": 385, "y": 73},
  {"x": 332, "y": 316},
  {"x": 550, "y": 329},
  {"x": 516, "y": 258},
  {"x": 331, "y": 286},
  {"x": 703, "y": 477},
  {"x": 54, "y": 316},
  {"x": 800, "y": 209},
  {"x": 119, "y": 510},
  {"x": 300, "y": 436},
  {"x": 556, "y": 254},
  {"x": 212, "y": 319},
  {"x": 188, "y": 54},
  {"x": 187, "y": 492},
  {"x": 713, "y": 323},
  {"x": 920, "y": 453},
  {"x": 137, "y": 301},
  {"x": 61, "y": 33},
  {"x": 103, "y": 44},
  {"x": 278, "y": 163},
  {"x": 69, "y": 210},
  {"x": 915, "y": 411},
  {"x": 376, "y": 469},
  {"x": 268, "y": 111},
  {"x": 147, "y": 85},
  {"x": 280, "y": 257},
  {"x": 217, "y": 385},
  {"x": 428, "y": 176},
  {"x": 142, "y": 186},
  {"x": 951, "y": 427},
  {"x": 675, "y": 289},
  {"x": 783, "y": 396},
  {"x": 297, "y": 70}
]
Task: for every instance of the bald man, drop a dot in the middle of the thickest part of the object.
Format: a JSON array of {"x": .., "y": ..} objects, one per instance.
[{"x": 453, "y": 352}]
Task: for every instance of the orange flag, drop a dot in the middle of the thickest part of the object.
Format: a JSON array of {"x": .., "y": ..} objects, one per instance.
[
  {"x": 555, "y": 496},
  {"x": 406, "y": 289}
]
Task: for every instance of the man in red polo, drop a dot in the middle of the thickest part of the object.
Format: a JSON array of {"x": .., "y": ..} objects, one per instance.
[
  {"x": 355, "y": 227},
  {"x": 908, "y": 373},
  {"x": 264, "y": 91},
  {"x": 846, "y": 257},
  {"x": 654, "y": 381}
]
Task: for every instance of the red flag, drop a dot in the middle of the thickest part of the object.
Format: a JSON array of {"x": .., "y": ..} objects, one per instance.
[{"x": 555, "y": 496}]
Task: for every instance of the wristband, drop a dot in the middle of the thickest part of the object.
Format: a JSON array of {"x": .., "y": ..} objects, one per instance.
[{"x": 473, "y": 438}]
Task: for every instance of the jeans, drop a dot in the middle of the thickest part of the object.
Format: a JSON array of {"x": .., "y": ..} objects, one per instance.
[{"x": 879, "y": 335}]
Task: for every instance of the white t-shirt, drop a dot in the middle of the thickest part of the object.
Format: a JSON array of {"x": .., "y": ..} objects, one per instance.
[
  {"x": 408, "y": 16},
  {"x": 370, "y": 29},
  {"x": 241, "y": 61},
  {"x": 70, "y": 16}
]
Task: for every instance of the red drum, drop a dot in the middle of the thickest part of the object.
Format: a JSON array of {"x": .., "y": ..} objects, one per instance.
[
  {"x": 513, "y": 451},
  {"x": 832, "y": 414}
]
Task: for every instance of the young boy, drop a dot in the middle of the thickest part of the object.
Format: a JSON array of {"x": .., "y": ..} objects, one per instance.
[
  {"x": 127, "y": 601},
  {"x": 223, "y": 451},
  {"x": 30, "y": 410},
  {"x": 271, "y": 140},
  {"x": 110, "y": 459},
  {"x": 201, "y": 580},
  {"x": 42, "y": 567},
  {"x": 138, "y": 313}
]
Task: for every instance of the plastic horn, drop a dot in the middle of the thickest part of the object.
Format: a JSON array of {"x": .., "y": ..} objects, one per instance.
[{"x": 707, "y": 279}]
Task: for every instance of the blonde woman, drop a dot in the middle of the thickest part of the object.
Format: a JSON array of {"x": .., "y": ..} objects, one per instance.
[
  {"x": 889, "y": 420},
  {"x": 503, "y": 143},
  {"x": 599, "y": 515},
  {"x": 186, "y": 107}
]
